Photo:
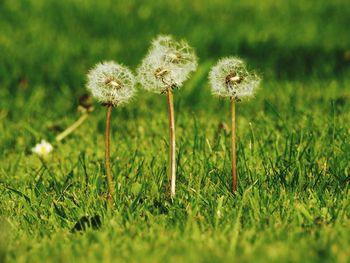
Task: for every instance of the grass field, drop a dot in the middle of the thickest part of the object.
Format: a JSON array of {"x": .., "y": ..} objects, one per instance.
[{"x": 293, "y": 203}]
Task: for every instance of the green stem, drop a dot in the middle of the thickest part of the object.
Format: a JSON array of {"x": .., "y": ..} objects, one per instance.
[{"x": 72, "y": 128}]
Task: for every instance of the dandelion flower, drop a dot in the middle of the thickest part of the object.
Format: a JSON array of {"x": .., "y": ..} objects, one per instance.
[
  {"x": 167, "y": 65},
  {"x": 230, "y": 78},
  {"x": 113, "y": 85},
  {"x": 43, "y": 148}
]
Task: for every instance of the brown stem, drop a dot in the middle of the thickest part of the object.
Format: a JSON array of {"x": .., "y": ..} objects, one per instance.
[
  {"x": 171, "y": 160},
  {"x": 233, "y": 145},
  {"x": 110, "y": 183}
]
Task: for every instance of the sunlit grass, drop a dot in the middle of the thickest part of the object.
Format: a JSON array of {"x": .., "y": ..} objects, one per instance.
[{"x": 293, "y": 199}]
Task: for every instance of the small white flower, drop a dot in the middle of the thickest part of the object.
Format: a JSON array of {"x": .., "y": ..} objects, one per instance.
[
  {"x": 167, "y": 64},
  {"x": 43, "y": 148},
  {"x": 111, "y": 83},
  {"x": 230, "y": 78}
]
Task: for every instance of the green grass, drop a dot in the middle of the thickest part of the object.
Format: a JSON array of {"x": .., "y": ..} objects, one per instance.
[{"x": 293, "y": 203}]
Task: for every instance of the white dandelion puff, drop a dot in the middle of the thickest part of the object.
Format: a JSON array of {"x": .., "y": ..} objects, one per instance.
[
  {"x": 230, "y": 78},
  {"x": 43, "y": 148},
  {"x": 111, "y": 83},
  {"x": 167, "y": 65}
]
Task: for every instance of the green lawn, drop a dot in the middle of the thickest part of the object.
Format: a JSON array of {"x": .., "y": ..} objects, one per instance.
[{"x": 293, "y": 203}]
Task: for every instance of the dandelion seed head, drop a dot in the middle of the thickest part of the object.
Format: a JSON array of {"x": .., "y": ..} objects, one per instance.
[
  {"x": 167, "y": 64},
  {"x": 43, "y": 148},
  {"x": 230, "y": 78},
  {"x": 111, "y": 83}
]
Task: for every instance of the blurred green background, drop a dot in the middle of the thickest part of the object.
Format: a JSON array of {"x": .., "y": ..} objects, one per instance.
[{"x": 56, "y": 42}]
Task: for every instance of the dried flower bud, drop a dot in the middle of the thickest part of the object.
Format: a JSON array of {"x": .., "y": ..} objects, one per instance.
[
  {"x": 230, "y": 78},
  {"x": 85, "y": 101}
]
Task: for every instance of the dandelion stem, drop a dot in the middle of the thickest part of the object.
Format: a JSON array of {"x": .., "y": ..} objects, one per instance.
[
  {"x": 107, "y": 156},
  {"x": 72, "y": 128},
  {"x": 171, "y": 160},
  {"x": 233, "y": 145}
]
